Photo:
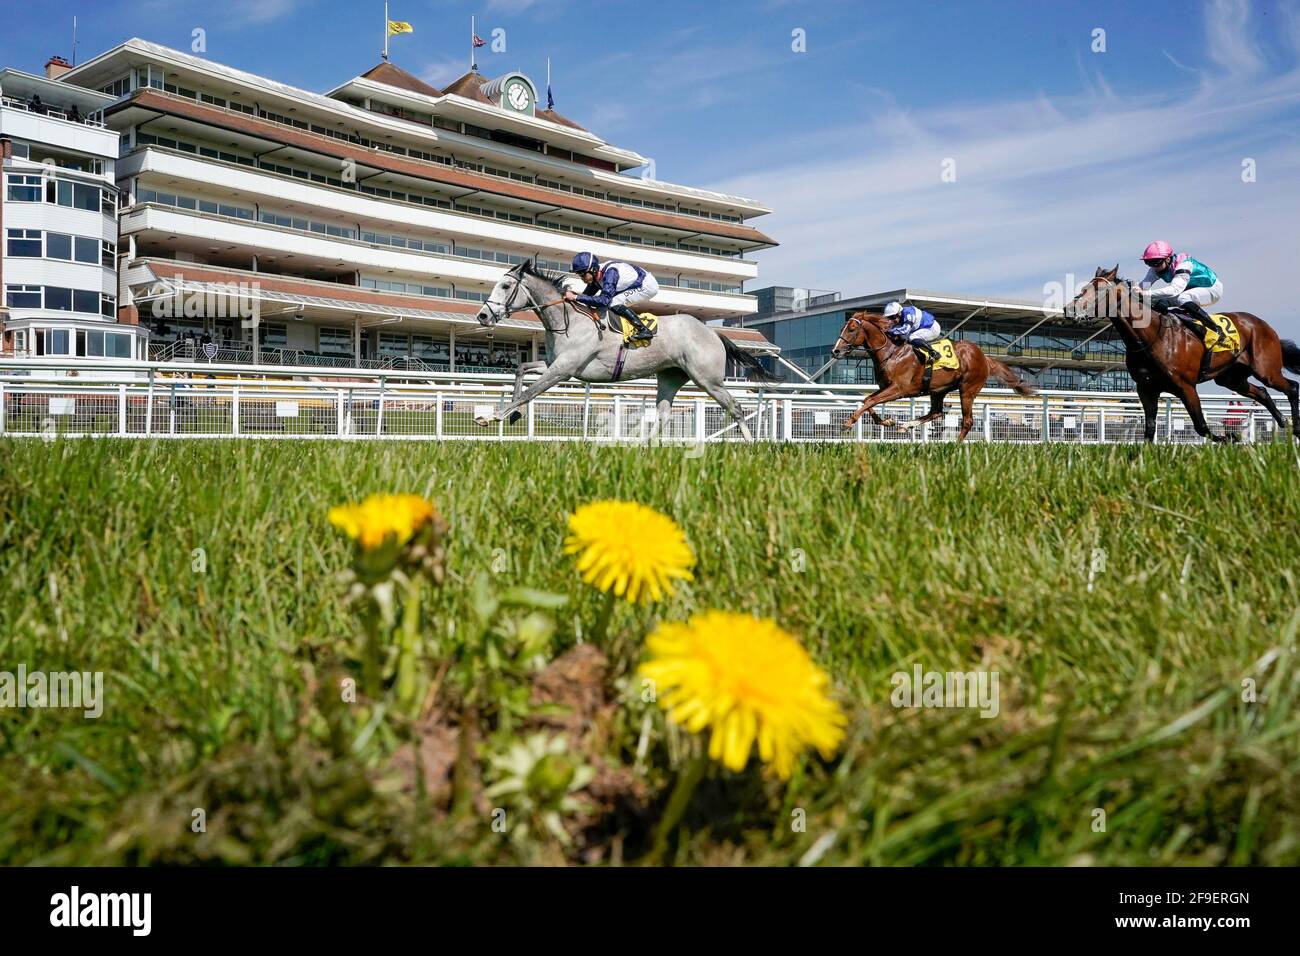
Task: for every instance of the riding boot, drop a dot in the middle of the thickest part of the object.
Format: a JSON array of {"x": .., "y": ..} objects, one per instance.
[
  {"x": 926, "y": 353},
  {"x": 1195, "y": 318},
  {"x": 642, "y": 333}
]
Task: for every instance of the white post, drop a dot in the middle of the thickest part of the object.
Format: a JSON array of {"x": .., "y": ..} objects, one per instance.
[
  {"x": 379, "y": 417},
  {"x": 1101, "y": 425},
  {"x": 788, "y": 426},
  {"x": 699, "y": 421},
  {"x": 148, "y": 407},
  {"x": 531, "y": 424},
  {"x": 988, "y": 422},
  {"x": 438, "y": 416},
  {"x": 451, "y": 351},
  {"x": 2, "y": 408},
  {"x": 618, "y": 419},
  {"x": 586, "y": 408},
  {"x": 234, "y": 410},
  {"x": 338, "y": 397},
  {"x": 1250, "y": 429},
  {"x": 121, "y": 409}
]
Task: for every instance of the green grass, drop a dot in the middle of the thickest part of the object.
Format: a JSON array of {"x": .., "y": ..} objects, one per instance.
[{"x": 1126, "y": 698}]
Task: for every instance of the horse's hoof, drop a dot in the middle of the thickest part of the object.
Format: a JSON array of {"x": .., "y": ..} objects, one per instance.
[
  {"x": 514, "y": 417},
  {"x": 888, "y": 423},
  {"x": 483, "y": 421}
]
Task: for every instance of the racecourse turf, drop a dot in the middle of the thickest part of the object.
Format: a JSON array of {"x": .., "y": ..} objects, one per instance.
[{"x": 1138, "y": 604}]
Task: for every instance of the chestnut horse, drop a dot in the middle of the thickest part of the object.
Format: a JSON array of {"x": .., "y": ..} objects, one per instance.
[
  {"x": 901, "y": 374},
  {"x": 1163, "y": 355}
]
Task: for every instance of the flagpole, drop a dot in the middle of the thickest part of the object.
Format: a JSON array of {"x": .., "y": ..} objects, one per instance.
[
  {"x": 385, "y": 31},
  {"x": 472, "y": 64}
]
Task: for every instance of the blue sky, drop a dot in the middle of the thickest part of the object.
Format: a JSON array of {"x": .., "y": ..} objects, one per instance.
[{"x": 1064, "y": 158}]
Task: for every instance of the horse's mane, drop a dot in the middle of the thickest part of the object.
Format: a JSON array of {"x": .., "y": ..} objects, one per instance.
[{"x": 558, "y": 280}]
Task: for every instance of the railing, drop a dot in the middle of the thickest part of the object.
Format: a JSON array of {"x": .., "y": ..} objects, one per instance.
[
  {"x": 135, "y": 400},
  {"x": 13, "y": 103},
  {"x": 388, "y": 247},
  {"x": 262, "y": 115},
  {"x": 180, "y": 351}
]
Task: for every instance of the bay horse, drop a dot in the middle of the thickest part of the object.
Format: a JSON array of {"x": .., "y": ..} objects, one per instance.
[
  {"x": 579, "y": 346},
  {"x": 1163, "y": 355},
  {"x": 901, "y": 374}
]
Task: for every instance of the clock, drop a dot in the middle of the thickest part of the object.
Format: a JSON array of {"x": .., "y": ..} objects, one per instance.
[{"x": 519, "y": 96}]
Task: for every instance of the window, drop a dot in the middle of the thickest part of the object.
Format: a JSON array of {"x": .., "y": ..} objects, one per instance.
[
  {"x": 108, "y": 254},
  {"x": 21, "y": 151},
  {"x": 23, "y": 296},
  {"x": 335, "y": 341},
  {"x": 94, "y": 343},
  {"x": 117, "y": 345},
  {"x": 57, "y": 342},
  {"x": 85, "y": 197},
  {"x": 58, "y": 298},
  {"x": 108, "y": 305},
  {"x": 86, "y": 250},
  {"x": 58, "y": 246},
  {"x": 273, "y": 334},
  {"x": 83, "y": 301},
  {"x": 25, "y": 243},
  {"x": 24, "y": 188},
  {"x": 108, "y": 202},
  {"x": 393, "y": 343}
]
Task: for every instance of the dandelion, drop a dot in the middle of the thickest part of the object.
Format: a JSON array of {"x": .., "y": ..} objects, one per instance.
[
  {"x": 398, "y": 540},
  {"x": 747, "y": 681},
  {"x": 628, "y": 550},
  {"x": 372, "y": 522}
]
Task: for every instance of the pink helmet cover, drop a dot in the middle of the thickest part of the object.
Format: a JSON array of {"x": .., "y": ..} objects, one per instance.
[{"x": 1157, "y": 250}]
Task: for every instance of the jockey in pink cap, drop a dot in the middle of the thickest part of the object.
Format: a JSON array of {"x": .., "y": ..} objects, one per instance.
[{"x": 1176, "y": 281}]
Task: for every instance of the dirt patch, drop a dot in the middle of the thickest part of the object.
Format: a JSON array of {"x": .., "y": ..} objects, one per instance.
[
  {"x": 573, "y": 684},
  {"x": 434, "y": 761}
]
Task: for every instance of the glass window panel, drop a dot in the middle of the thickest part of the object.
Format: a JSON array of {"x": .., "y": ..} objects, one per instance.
[
  {"x": 58, "y": 246},
  {"x": 57, "y": 298}
]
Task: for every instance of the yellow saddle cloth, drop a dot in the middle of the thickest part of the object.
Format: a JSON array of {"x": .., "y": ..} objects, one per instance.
[
  {"x": 628, "y": 329},
  {"x": 947, "y": 354},
  {"x": 1222, "y": 335}
]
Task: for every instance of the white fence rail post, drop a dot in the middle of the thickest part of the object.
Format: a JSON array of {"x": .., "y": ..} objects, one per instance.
[{"x": 121, "y": 410}]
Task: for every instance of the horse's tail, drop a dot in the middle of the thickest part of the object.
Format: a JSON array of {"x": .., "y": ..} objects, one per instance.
[
  {"x": 1009, "y": 378},
  {"x": 748, "y": 362},
  {"x": 1291, "y": 356}
]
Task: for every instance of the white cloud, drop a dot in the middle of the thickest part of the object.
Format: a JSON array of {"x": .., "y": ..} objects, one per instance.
[{"x": 1045, "y": 187}]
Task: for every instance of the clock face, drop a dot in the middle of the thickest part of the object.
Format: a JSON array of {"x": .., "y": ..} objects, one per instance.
[{"x": 517, "y": 95}]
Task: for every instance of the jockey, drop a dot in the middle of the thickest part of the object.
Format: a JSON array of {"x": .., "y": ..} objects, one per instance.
[
  {"x": 1178, "y": 280},
  {"x": 915, "y": 326},
  {"x": 614, "y": 286}
]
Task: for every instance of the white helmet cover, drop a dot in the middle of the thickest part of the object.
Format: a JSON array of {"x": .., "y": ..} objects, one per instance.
[{"x": 894, "y": 308}]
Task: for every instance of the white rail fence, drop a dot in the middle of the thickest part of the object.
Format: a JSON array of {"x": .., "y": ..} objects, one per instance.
[{"x": 44, "y": 399}]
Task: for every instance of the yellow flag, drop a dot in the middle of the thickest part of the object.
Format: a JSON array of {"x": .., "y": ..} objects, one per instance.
[{"x": 399, "y": 26}]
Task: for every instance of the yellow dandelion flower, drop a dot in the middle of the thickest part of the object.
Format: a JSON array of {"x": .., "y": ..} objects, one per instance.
[
  {"x": 628, "y": 549},
  {"x": 382, "y": 517},
  {"x": 747, "y": 680}
]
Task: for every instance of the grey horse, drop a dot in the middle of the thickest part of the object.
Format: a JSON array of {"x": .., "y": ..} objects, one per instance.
[{"x": 683, "y": 349}]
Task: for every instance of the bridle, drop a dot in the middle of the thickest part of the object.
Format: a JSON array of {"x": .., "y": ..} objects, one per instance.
[
  {"x": 501, "y": 313},
  {"x": 857, "y": 323}
]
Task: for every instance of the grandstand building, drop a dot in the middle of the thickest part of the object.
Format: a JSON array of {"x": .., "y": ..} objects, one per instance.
[
  {"x": 58, "y": 222},
  {"x": 364, "y": 226},
  {"x": 1035, "y": 340}
]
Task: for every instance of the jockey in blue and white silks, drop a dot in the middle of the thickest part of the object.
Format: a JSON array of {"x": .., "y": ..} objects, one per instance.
[
  {"x": 915, "y": 326},
  {"x": 1179, "y": 280},
  {"x": 615, "y": 286}
]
